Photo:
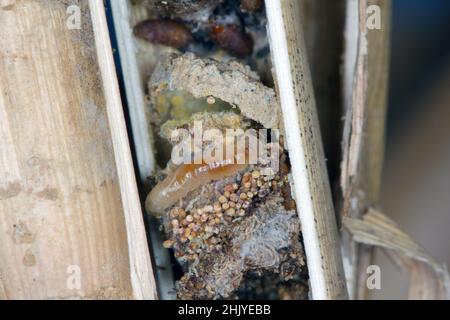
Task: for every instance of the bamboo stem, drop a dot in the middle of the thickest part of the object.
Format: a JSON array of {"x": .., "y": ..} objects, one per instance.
[
  {"x": 142, "y": 280},
  {"x": 63, "y": 229},
  {"x": 311, "y": 184}
]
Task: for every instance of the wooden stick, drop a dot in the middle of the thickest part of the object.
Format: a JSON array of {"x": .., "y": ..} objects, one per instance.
[
  {"x": 135, "y": 88},
  {"x": 311, "y": 184},
  {"x": 64, "y": 213},
  {"x": 366, "y": 69},
  {"x": 136, "y": 81},
  {"x": 143, "y": 283}
]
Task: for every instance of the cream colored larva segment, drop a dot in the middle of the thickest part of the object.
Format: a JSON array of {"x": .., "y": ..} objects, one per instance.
[{"x": 311, "y": 185}]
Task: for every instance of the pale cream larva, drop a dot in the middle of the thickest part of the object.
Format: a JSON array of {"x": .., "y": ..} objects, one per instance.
[
  {"x": 188, "y": 177},
  {"x": 185, "y": 179}
]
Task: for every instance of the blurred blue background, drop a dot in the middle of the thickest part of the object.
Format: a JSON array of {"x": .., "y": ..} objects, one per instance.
[
  {"x": 420, "y": 49},
  {"x": 416, "y": 182}
]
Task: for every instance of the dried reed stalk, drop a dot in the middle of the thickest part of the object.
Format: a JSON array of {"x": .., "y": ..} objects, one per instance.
[
  {"x": 365, "y": 83},
  {"x": 311, "y": 183}
]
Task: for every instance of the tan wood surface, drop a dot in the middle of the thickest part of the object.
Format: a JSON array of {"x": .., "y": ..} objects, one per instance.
[{"x": 62, "y": 204}]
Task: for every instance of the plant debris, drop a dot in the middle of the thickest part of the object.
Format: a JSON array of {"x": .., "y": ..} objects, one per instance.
[
  {"x": 231, "y": 224},
  {"x": 230, "y": 81},
  {"x": 228, "y": 222},
  {"x": 429, "y": 279}
]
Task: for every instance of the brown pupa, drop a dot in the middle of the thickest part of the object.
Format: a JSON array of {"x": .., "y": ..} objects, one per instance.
[
  {"x": 232, "y": 39},
  {"x": 164, "y": 31}
]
